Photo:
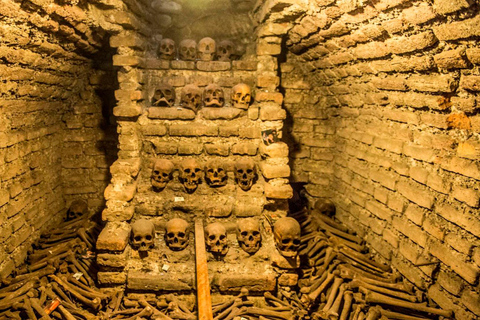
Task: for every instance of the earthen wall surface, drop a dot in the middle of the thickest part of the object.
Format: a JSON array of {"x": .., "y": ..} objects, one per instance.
[{"x": 397, "y": 85}]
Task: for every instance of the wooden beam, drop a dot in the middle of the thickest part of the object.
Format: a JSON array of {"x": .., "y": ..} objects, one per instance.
[{"x": 204, "y": 302}]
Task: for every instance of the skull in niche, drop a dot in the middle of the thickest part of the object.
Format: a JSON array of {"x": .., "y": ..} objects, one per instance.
[
  {"x": 215, "y": 174},
  {"x": 77, "y": 209},
  {"x": 325, "y": 207},
  {"x": 191, "y": 97},
  {"x": 213, "y": 96},
  {"x": 248, "y": 235},
  {"x": 190, "y": 175},
  {"x": 206, "y": 49},
  {"x": 286, "y": 232},
  {"x": 177, "y": 232},
  {"x": 216, "y": 239},
  {"x": 188, "y": 50},
  {"x": 225, "y": 50},
  {"x": 241, "y": 96},
  {"x": 166, "y": 49},
  {"x": 245, "y": 173},
  {"x": 142, "y": 235},
  {"x": 164, "y": 96},
  {"x": 162, "y": 173}
]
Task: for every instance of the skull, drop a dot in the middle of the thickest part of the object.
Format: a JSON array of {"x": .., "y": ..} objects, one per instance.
[
  {"x": 287, "y": 236},
  {"x": 206, "y": 49},
  {"x": 241, "y": 96},
  {"x": 142, "y": 235},
  {"x": 162, "y": 173},
  {"x": 164, "y": 96},
  {"x": 191, "y": 97},
  {"x": 188, "y": 50},
  {"x": 245, "y": 173},
  {"x": 215, "y": 174},
  {"x": 77, "y": 209},
  {"x": 225, "y": 50},
  {"x": 216, "y": 239},
  {"x": 325, "y": 207},
  {"x": 176, "y": 234},
  {"x": 166, "y": 49},
  {"x": 249, "y": 236},
  {"x": 190, "y": 175},
  {"x": 213, "y": 96}
]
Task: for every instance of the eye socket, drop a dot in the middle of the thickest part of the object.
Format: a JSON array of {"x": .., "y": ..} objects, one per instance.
[
  {"x": 187, "y": 170},
  {"x": 148, "y": 237},
  {"x": 222, "y": 237},
  {"x": 256, "y": 233},
  {"x": 210, "y": 170},
  {"x": 286, "y": 241},
  {"x": 181, "y": 234},
  {"x": 211, "y": 237},
  {"x": 244, "y": 233},
  {"x": 220, "y": 170},
  {"x": 137, "y": 238},
  {"x": 249, "y": 170},
  {"x": 197, "y": 169},
  {"x": 170, "y": 235},
  {"x": 165, "y": 174},
  {"x": 240, "y": 171},
  {"x": 296, "y": 241},
  {"x": 156, "y": 172}
]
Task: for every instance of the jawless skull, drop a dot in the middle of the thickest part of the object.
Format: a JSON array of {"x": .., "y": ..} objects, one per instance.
[
  {"x": 248, "y": 235},
  {"x": 286, "y": 232},
  {"x": 213, "y": 96},
  {"x": 241, "y": 96},
  {"x": 191, "y": 175},
  {"x": 162, "y": 173},
  {"x": 325, "y": 207},
  {"x": 164, "y": 96},
  {"x": 216, "y": 239},
  {"x": 177, "y": 233},
  {"x": 206, "y": 49},
  {"x": 191, "y": 97},
  {"x": 143, "y": 235},
  {"x": 225, "y": 50},
  {"x": 77, "y": 209},
  {"x": 216, "y": 174},
  {"x": 245, "y": 173},
  {"x": 166, "y": 49},
  {"x": 188, "y": 50}
]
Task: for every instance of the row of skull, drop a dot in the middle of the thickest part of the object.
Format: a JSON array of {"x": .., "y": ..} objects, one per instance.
[
  {"x": 193, "y": 98},
  {"x": 188, "y": 50},
  {"x": 191, "y": 173},
  {"x": 177, "y": 233}
]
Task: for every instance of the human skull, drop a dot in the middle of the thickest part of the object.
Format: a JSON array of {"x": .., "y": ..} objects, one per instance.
[
  {"x": 190, "y": 175},
  {"x": 248, "y": 235},
  {"x": 77, "y": 209},
  {"x": 213, "y": 96},
  {"x": 162, "y": 173},
  {"x": 241, "y": 96},
  {"x": 188, "y": 50},
  {"x": 177, "y": 232},
  {"x": 286, "y": 232},
  {"x": 206, "y": 49},
  {"x": 191, "y": 97},
  {"x": 245, "y": 173},
  {"x": 164, "y": 96},
  {"x": 215, "y": 174},
  {"x": 216, "y": 239},
  {"x": 143, "y": 235},
  {"x": 325, "y": 207},
  {"x": 225, "y": 50},
  {"x": 166, "y": 49}
]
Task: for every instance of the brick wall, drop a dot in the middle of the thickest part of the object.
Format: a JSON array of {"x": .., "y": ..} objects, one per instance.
[
  {"x": 54, "y": 116},
  {"x": 394, "y": 86}
]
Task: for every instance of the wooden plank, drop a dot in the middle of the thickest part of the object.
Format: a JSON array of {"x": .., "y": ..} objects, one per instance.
[{"x": 204, "y": 302}]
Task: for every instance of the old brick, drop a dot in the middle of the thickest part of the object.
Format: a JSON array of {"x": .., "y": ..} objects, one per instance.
[
  {"x": 120, "y": 192},
  {"x": 449, "y": 6},
  {"x": 471, "y": 299},
  {"x": 390, "y": 83},
  {"x": 228, "y": 131},
  {"x": 213, "y": 65},
  {"x": 114, "y": 260},
  {"x": 451, "y": 59},
  {"x": 459, "y": 217},
  {"x": 165, "y": 147},
  {"x": 473, "y": 54},
  {"x": 271, "y": 171},
  {"x": 190, "y": 148},
  {"x": 379, "y": 210},
  {"x": 413, "y": 232},
  {"x": 114, "y": 236},
  {"x": 419, "y": 14},
  {"x": 268, "y": 81},
  {"x": 132, "y": 40},
  {"x": 464, "y": 167},
  {"x": 192, "y": 130},
  {"x": 432, "y": 83},
  {"x": 468, "y": 195},
  {"x": 458, "y": 242},
  {"x": 124, "y": 61},
  {"x": 253, "y": 113},
  {"x": 278, "y": 191},
  {"x": 224, "y": 113},
  {"x": 170, "y": 113},
  {"x": 416, "y": 194},
  {"x": 244, "y": 65},
  {"x": 416, "y": 42},
  {"x": 274, "y": 150},
  {"x": 457, "y": 30},
  {"x": 129, "y": 110},
  {"x": 371, "y": 50},
  {"x": 249, "y": 132},
  {"x": 471, "y": 83},
  {"x": 154, "y": 130},
  {"x": 254, "y": 282},
  {"x": 419, "y": 174},
  {"x": 111, "y": 278},
  {"x": 217, "y": 149},
  {"x": 182, "y": 65}
]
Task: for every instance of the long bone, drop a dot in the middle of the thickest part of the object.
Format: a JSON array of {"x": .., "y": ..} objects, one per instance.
[
  {"x": 271, "y": 297},
  {"x": 95, "y": 304},
  {"x": 67, "y": 303},
  {"x": 51, "y": 252},
  {"x": 243, "y": 293},
  {"x": 338, "y": 241},
  {"x": 71, "y": 258},
  {"x": 392, "y": 293},
  {"x": 156, "y": 314},
  {"x": 349, "y": 269},
  {"x": 333, "y": 292},
  {"x": 268, "y": 313},
  {"x": 176, "y": 313},
  {"x": 34, "y": 275},
  {"x": 171, "y": 298},
  {"x": 332, "y": 223},
  {"x": 332, "y": 313},
  {"x": 339, "y": 233},
  {"x": 60, "y": 292},
  {"x": 400, "y": 316},
  {"x": 374, "y": 297},
  {"x": 65, "y": 313},
  {"x": 39, "y": 309},
  {"x": 238, "y": 302},
  {"x": 312, "y": 296},
  {"x": 362, "y": 258},
  {"x": 361, "y": 266},
  {"x": 146, "y": 312},
  {"x": 89, "y": 292},
  {"x": 347, "y": 304},
  {"x": 236, "y": 312},
  {"x": 27, "y": 305}
]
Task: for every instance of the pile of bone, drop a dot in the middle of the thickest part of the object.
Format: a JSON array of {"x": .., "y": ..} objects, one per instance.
[
  {"x": 188, "y": 50},
  {"x": 58, "y": 279},
  {"x": 339, "y": 280}
]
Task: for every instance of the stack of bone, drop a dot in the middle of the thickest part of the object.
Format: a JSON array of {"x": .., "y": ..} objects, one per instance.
[{"x": 339, "y": 280}]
